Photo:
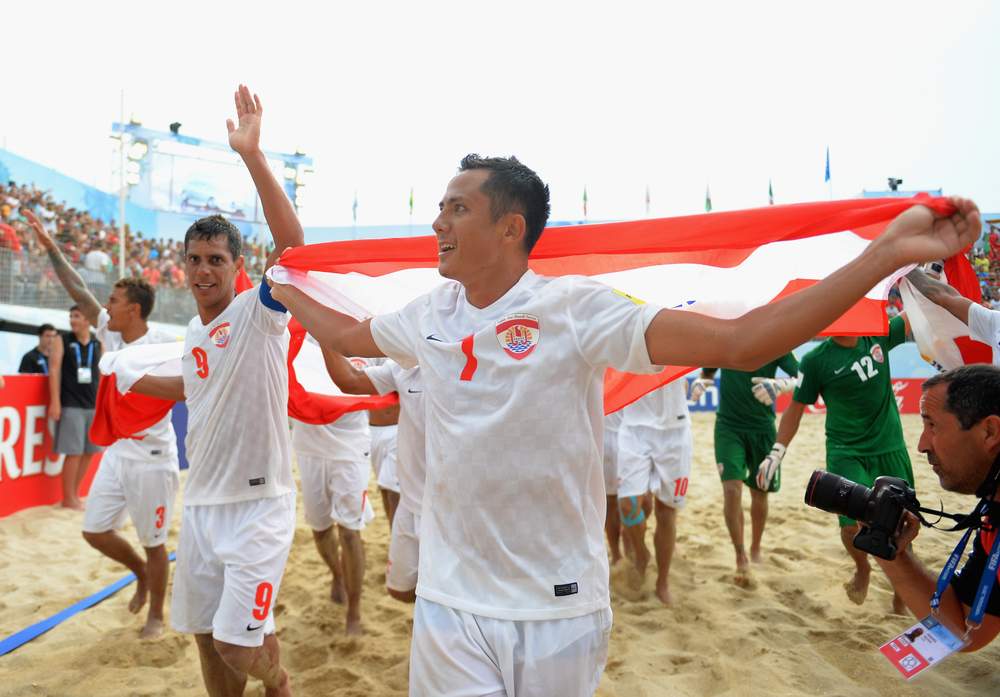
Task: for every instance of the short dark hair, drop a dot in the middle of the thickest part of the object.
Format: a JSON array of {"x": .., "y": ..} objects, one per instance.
[
  {"x": 45, "y": 328},
  {"x": 213, "y": 226},
  {"x": 138, "y": 291},
  {"x": 973, "y": 392},
  {"x": 513, "y": 188},
  {"x": 75, "y": 308}
]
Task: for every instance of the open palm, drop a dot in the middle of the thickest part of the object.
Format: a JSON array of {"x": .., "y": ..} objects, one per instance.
[
  {"x": 41, "y": 234},
  {"x": 245, "y": 138}
]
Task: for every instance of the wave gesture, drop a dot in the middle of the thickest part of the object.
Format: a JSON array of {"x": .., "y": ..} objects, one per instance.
[{"x": 245, "y": 139}]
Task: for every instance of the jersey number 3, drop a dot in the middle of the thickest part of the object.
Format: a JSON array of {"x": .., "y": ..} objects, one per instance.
[{"x": 200, "y": 361}]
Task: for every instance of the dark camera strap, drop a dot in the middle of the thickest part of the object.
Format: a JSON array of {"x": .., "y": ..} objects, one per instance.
[{"x": 986, "y": 581}]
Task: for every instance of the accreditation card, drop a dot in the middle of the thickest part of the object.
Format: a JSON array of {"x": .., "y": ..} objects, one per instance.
[{"x": 920, "y": 647}]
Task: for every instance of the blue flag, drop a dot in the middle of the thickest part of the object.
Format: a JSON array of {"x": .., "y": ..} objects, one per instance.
[{"x": 826, "y": 177}]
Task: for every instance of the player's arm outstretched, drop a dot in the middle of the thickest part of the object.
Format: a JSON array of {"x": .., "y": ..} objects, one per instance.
[
  {"x": 70, "y": 279},
  {"x": 941, "y": 294},
  {"x": 333, "y": 330},
  {"x": 761, "y": 335},
  {"x": 349, "y": 379},
  {"x": 171, "y": 388},
  {"x": 244, "y": 138}
]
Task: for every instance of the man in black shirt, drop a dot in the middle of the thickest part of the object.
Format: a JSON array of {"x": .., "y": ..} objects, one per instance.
[
  {"x": 961, "y": 438},
  {"x": 37, "y": 359},
  {"x": 73, "y": 377}
]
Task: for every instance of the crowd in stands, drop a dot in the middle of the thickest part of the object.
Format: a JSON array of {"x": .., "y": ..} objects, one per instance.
[{"x": 92, "y": 245}]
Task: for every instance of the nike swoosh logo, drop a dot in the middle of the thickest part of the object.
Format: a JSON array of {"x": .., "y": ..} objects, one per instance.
[
  {"x": 253, "y": 629},
  {"x": 839, "y": 370},
  {"x": 431, "y": 337},
  {"x": 413, "y": 391}
]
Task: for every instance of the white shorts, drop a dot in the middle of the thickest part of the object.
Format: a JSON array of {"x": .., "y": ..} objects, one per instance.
[
  {"x": 656, "y": 460},
  {"x": 335, "y": 491},
  {"x": 611, "y": 463},
  {"x": 404, "y": 550},
  {"x": 459, "y": 654},
  {"x": 384, "y": 456},
  {"x": 143, "y": 490},
  {"x": 230, "y": 561}
]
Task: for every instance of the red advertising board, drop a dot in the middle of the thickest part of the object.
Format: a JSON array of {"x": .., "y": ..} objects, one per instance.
[
  {"x": 29, "y": 470},
  {"x": 907, "y": 397}
]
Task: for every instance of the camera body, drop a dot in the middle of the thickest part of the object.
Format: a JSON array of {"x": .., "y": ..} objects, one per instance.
[{"x": 879, "y": 509}]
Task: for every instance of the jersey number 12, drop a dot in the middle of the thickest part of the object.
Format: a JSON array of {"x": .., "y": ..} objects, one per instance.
[{"x": 865, "y": 368}]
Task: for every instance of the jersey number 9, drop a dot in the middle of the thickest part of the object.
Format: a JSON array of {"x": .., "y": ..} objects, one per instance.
[{"x": 200, "y": 361}]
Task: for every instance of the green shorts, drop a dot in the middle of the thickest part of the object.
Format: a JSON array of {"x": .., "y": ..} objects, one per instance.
[
  {"x": 864, "y": 469},
  {"x": 738, "y": 454}
]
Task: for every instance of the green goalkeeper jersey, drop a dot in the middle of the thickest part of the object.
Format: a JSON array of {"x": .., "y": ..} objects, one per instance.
[
  {"x": 861, "y": 413},
  {"x": 739, "y": 410}
]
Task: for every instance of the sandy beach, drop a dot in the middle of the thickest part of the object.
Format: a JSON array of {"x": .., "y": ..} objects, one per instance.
[{"x": 794, "y": 632}]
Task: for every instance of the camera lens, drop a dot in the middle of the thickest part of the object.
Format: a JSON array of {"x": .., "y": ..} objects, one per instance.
[{"x": 835, "y": 494}]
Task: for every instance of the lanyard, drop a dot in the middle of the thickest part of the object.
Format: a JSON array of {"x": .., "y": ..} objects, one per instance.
[
  {"x": 90, "y": 354},
  {"x": 986, "y": 581},
  {"x": 44, "y": 363}
]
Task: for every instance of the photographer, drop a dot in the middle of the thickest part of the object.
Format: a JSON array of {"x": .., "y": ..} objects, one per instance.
[{"x": 961, "y": 438}]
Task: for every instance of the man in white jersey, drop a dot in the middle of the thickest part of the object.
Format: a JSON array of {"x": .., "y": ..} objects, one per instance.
[
  {"x": 983, "y": 323},
  {"x": 612, "y": 520},
  {"x": 384, "y": 424},
  {"x": 654, "y": 457},
  {"x": 137, "y": 476},
  {"x": 512, "y": 593},
  {"x": 333, "y": 467},
  {"x": 388, "y": 377},
  {"x": 239, "y": 500}
]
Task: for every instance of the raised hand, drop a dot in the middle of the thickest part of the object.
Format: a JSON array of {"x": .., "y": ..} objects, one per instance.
[
  {"x": 245, "y": 139},
  {"x": 41, "y": 235},
  {"x": 920, "y": 234}
]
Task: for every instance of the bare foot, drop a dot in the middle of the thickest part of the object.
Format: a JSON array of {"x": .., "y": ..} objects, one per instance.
[
  {"x": 663, "y": 592},
  {"x": 354, "y": 627},
  {"x": 152, "y": 630},
  {"x": 282, "y": 690},
  {"x": 138, "y": 600},
  {"x": 857, "y": 587},
  {"x": 641, "y": 560},
  {"x": 756, "y": 556},
  {"x": 337, "y": 593},
  {"x": 742, "y": 576},
  {"x": 75, "y": 504}
]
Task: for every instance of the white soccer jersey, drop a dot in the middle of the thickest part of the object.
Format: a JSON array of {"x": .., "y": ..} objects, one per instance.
[
  {"x": 984, "y": 326},
  {"x": 158, "y": 442},
  {"x": 411, "y": 457},
  {"x": 236, "y": 385},
  {"x": 665, "y": 407},
  {"x": 512, "y": 520},
  {"x": 346, "y": 438}
]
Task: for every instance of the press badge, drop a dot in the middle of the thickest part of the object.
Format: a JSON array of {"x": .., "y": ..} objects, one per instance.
[
  {"x": 84, "y": 376},
  {"x": 922, "y": 646}
]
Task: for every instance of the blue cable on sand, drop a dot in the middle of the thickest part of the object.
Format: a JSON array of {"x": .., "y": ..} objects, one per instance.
[{"x": 22, "y": 637}]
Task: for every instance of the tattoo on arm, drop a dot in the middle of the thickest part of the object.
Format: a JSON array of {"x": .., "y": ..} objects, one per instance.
[{"x": 75, "y": 286}]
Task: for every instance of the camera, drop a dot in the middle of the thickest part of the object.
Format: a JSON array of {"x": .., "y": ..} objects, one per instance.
[{"x": 878, "y": 509}]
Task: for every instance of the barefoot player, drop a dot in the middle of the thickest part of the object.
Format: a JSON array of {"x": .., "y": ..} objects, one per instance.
[
  {"x": 864, "y": 437},
  {"x": 138, "y": 476},
  {"x": 512, "y": 595}
]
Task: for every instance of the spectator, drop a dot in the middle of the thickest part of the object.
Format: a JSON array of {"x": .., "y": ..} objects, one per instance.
[{"x": 37, "y": 359}]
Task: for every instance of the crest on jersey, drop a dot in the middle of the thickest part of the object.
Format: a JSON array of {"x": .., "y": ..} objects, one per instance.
[
  {"x": 876, "y": 352},
  {"x": 518, "y": 335},
  {"x": 220, "y": 335}
]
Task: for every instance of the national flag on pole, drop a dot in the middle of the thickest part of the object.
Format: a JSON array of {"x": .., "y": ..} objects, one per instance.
[
  {"x": 584, "y": 203},
  {"x": 411, "y": 201},
  {"x": 770, "y": 193},
  {"x": 354, "y": 208},
  {"x": 722, "y": 265},
  {"x": 826, "y": 175},
  {"x": 708, "y": 200}
]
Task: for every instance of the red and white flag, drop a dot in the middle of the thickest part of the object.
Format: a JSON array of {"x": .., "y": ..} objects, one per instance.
[{"x": 722, "y": 264}]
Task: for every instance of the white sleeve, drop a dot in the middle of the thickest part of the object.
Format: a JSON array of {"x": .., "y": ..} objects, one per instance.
[
  {"x": 611, "y": 327},
  {"x": 984, "y": 324},
  {"x": 266, "y": 317},
  {"x": 383, "y": 378},
  {"x": 396, "y": 334}
]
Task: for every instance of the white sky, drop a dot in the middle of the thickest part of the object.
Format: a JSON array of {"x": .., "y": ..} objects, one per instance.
[{"x": 614, "y": 96}]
